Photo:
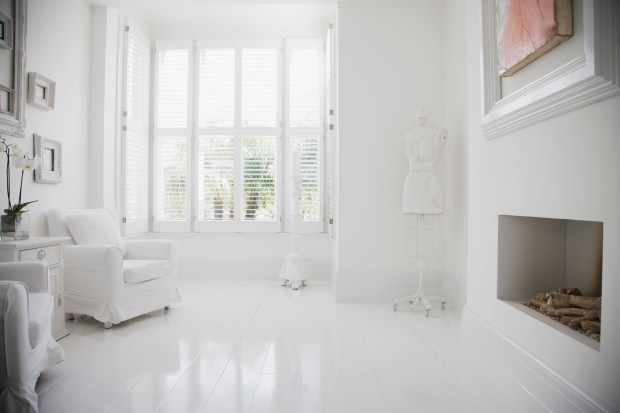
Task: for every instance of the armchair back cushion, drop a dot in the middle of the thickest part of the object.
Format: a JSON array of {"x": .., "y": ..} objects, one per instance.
[
  {"x": 95, "y": 228},
  {"x": 86, "y": 226}
]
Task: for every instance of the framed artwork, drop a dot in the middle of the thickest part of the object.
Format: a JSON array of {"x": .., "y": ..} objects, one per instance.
[
  {"x": 50, "y": 152},
  {"x": 41, "y": 91},
  {"x": 6, "y": 32},
  {"x": 527, "y": 29},
  {"x": 580, "y": 70},
  {"x": 13, "y": 69}
]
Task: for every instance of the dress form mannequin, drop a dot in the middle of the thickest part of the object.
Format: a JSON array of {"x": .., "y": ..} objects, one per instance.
[{"x": 422, "y": 198}]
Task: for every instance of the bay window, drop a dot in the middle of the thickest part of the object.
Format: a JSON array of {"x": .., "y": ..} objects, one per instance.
[{"x": 226, "y": 117}]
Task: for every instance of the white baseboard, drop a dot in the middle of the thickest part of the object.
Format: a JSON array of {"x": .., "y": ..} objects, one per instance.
[
  {"x": 388, "y": 285},
  {"x": 455, "y": 290},
  {"x": 250, "y": 269},
  {"x": 522, "y": 376}
]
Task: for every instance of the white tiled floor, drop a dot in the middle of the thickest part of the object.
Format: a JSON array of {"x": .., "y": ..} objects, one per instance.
[{"x": 259, "y": 347}]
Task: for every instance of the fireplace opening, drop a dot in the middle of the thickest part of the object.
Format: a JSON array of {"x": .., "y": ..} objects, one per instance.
[{"x": 538, "y": 256}]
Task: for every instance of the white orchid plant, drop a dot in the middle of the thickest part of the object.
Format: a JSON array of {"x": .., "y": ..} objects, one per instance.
[{"x": 19, "y": 160}]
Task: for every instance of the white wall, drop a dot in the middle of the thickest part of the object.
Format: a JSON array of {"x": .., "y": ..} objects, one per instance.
[
  {"x": 237, "y": 21},
  {"x": 453, "y": 172},
  {"x": 565, "y": 167},
  {"x": 104, "y": 109},
  {"x": 393, "y": 59},
  {"x": 58, "y": 47}
]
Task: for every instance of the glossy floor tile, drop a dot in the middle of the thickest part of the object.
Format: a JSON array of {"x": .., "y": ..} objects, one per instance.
[{"x": 258, "y": 347}]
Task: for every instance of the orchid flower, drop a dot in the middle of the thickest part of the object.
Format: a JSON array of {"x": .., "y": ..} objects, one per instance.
[{"x": 19, "y": 160}]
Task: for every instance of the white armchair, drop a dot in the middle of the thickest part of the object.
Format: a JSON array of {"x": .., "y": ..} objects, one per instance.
[
  {"x": 108, "y": 278},
  {"x": 26, "y": 343}
]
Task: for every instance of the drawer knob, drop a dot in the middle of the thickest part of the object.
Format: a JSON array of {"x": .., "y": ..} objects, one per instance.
[{"x": 41, "y": 254}]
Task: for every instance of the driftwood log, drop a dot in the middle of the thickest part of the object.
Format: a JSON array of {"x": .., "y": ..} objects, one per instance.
[{"x": 570, "y": 308}]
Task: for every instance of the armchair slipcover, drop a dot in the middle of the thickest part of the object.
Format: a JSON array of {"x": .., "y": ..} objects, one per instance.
[
  {"x": 26, "y": 343},
  {"x": 104, "y": 282}
]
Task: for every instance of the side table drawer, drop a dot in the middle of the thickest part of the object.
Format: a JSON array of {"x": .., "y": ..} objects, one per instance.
[{"x": 50, "y": 255}]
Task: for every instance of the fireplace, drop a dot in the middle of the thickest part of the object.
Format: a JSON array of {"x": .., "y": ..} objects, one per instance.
[{"x": 545, "y": 254}]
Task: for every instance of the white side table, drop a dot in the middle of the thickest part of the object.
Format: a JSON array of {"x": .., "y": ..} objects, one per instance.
[{"x": 49, "y": 251}]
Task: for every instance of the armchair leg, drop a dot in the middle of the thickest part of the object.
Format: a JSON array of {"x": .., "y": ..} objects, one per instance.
[
  {"x": 107, "y": 324},
  {"x": 69, "y": 316},
  {"x": 167, "y": 307}
]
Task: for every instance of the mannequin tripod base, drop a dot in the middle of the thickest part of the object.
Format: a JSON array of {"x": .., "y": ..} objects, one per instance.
[{"x": 419, "y": 296}]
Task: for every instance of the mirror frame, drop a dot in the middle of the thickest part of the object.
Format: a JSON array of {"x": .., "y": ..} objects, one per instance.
[{"x": 15, "y": 123}]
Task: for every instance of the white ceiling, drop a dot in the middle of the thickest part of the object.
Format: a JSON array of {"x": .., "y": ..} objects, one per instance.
[{"x": 198, "y": 15}]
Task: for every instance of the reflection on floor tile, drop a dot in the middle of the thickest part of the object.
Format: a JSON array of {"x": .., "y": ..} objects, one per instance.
[{"x": 258, "y": 347}]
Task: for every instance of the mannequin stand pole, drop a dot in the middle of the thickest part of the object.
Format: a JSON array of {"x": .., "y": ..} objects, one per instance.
[
  {"x": 294, "y": 270},
  {"x": 419, "y": 296}
]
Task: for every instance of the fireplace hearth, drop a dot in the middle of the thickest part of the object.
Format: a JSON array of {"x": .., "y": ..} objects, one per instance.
[{"x": 551, "y": 269}]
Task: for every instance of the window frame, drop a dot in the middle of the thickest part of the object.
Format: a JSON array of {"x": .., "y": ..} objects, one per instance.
[
  {"x": 282, "y": 133},
  {"x": 239, "y": 132}
]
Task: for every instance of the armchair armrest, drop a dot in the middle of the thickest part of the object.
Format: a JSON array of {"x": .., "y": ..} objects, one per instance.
[
  {"x": 153, "y": 249},
  {"x": 31, "y": 273},
  {"x": 92, "y": 269}
]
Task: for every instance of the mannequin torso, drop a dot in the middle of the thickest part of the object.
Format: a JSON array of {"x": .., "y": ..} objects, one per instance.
[{"x": 422, "y": 191}]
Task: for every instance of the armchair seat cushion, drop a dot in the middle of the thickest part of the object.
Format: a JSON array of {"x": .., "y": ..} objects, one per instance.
[
  {"x": 135, "y": 271},
  {"x": 40, "y": 309}
]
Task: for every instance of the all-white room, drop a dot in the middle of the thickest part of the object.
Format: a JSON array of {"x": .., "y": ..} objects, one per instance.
[{"x": 309, "y": 206}]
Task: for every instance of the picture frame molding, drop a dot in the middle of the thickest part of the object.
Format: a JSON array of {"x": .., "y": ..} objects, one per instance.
[
  {"x": 35, "y": 80},
  {"x": 54, "y": 175},
  {"x": 592, "y": 76},
  {"x": 13, "y": 122},
  {"x": 7, "y": 29}
]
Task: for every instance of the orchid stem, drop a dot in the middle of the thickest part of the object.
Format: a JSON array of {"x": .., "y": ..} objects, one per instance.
[
  {"x": 21, "y": 184},
  {"x": 8, "y": 179}
]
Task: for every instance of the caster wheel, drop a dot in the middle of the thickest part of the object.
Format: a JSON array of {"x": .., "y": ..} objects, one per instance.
[
  {"x": 443, "y": 305},
  {"x": 295, "y": 285},
  {"x": 411, "y": 302},
  {"x": 283, "y": 282},
  {"x": 428, "y": 312},
  {"x": 395, "y": 307}
]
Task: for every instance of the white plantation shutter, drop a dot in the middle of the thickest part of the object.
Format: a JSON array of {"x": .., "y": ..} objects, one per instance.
[
  {"x": 259, "y": 87},
  {"x": 330, "y": 144},
  {"x": 260, "y": 171},
  {"x": 216, "y": 178},
  {"x": 304, "y": 130},
  {"x": 172, "y": 178},
  {"x": 172, "y": 88},
  {"x": 137, "y": 83},
  {"x": 216, "y": 97},
  {"x": 172, "y": 181},
  {"x": 309, "y": 148},
  {"x": 238, "y": 143},
  {"x": 304, "y": 88},
  {"x": 135, "y": 136}
]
